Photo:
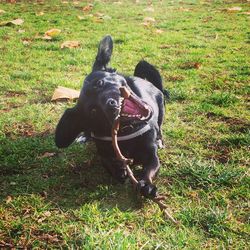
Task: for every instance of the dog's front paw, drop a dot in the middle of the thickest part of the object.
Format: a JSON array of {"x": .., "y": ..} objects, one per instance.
[
  {"x": 120, "y": 171},
  {"x": 121, "y": 175},
  {"x": 147, "y": 190}
]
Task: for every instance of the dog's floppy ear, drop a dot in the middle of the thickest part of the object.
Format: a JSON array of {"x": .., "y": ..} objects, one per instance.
[
  {"x": 104, "y": 53},
  {"x": 69, "y": 127}
]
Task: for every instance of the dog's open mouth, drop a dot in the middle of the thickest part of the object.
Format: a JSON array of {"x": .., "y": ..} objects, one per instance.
[{"x": 134, "y": 108}]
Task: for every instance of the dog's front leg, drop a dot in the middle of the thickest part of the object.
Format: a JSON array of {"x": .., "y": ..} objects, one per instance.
[
  {"x": 150, "y": 169},
  {"x": 115, "y": 167}
]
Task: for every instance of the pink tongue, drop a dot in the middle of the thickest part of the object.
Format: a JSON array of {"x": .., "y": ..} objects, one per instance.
[{"x": 130, "y": 108}]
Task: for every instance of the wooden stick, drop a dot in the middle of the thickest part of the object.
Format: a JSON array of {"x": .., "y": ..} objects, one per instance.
[{"x": 158, "y": 200}]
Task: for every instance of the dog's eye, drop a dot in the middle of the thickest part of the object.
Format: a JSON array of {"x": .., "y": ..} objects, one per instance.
[{"x": 100, "y": 84}]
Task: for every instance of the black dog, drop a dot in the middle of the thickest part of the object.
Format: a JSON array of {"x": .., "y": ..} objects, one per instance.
[{"x": 100, "y": 103}]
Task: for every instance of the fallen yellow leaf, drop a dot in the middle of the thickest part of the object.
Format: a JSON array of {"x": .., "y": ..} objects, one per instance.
[
  {"x": 234, "y": 9},
  {"x": 65, "y": 93},
  {"x": 53, "y": 32},
  {"x": 40, "y": 13},
  {"x": 2, "y": 11},
  {"x": 13, "y": 22},
  {"x": 81, "y": 17},
  {"x": 18, "y": 21},
  {"x": 70, "y": 44}
]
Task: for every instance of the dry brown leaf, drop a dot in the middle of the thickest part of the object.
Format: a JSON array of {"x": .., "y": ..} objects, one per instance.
[
  {"x": 47, "y": 214},
  {"x": 41, "y": 219},
  {"x": 5, "y": 23},
  {"x": 149, "y": 9},
  {"x": 234, "y": 9},
  {"x": 194, "y": 195},
  {"x": 165, "y": 46},
  {"x": 52, "y": 32},
  {"x": 6, "y": 245},
  {"x": 70, "y": 44},
  {"x": 246, "y": 13},
  {"x": 88, "y": 7},
  {"x": 2, "y": 11},
  {"x": 197, "y": 65},
  {"x": 46, "y": 37},
  {"x": 149, "y": 20},
  {"x": 65, "y": 93},
  {"x": 49, "y": 238},
  {"x": 47, "y": 155},
  {"x": 100, "y": 15},
  {"x": 8, "y": 199},
  {"x": 97, "y": 20},
  {"x": 25, "y": 42},
  {"x": 159, "y": 31},
  {"x": 183, "y": 9},
  {"x": 146, "y": 24},
  {"x": 13, "y": 22},
  {"x": 191, "y": 65}
]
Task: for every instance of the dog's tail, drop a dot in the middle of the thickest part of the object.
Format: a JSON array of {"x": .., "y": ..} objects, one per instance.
[
  {"x": 104, "y": 53},
  {"x": 147, "y": 71}
]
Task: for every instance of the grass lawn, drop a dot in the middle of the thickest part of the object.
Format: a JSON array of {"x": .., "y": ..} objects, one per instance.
[{"x": 52, "y": 198}]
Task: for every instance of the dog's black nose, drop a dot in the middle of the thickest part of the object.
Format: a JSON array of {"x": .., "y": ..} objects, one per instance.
[{"x": 112, "y": 103}]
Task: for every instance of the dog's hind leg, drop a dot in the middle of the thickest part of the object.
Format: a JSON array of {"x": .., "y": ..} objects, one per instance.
[{"x": 104, "y": 53}]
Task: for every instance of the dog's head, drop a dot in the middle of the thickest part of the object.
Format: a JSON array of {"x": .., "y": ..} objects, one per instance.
[{"x": 100, "y": 102}]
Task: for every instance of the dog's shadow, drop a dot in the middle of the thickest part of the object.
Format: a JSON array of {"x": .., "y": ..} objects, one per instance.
[
  {"x": 67, "y": 178},
  {"x": 88, "y": 182}
]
